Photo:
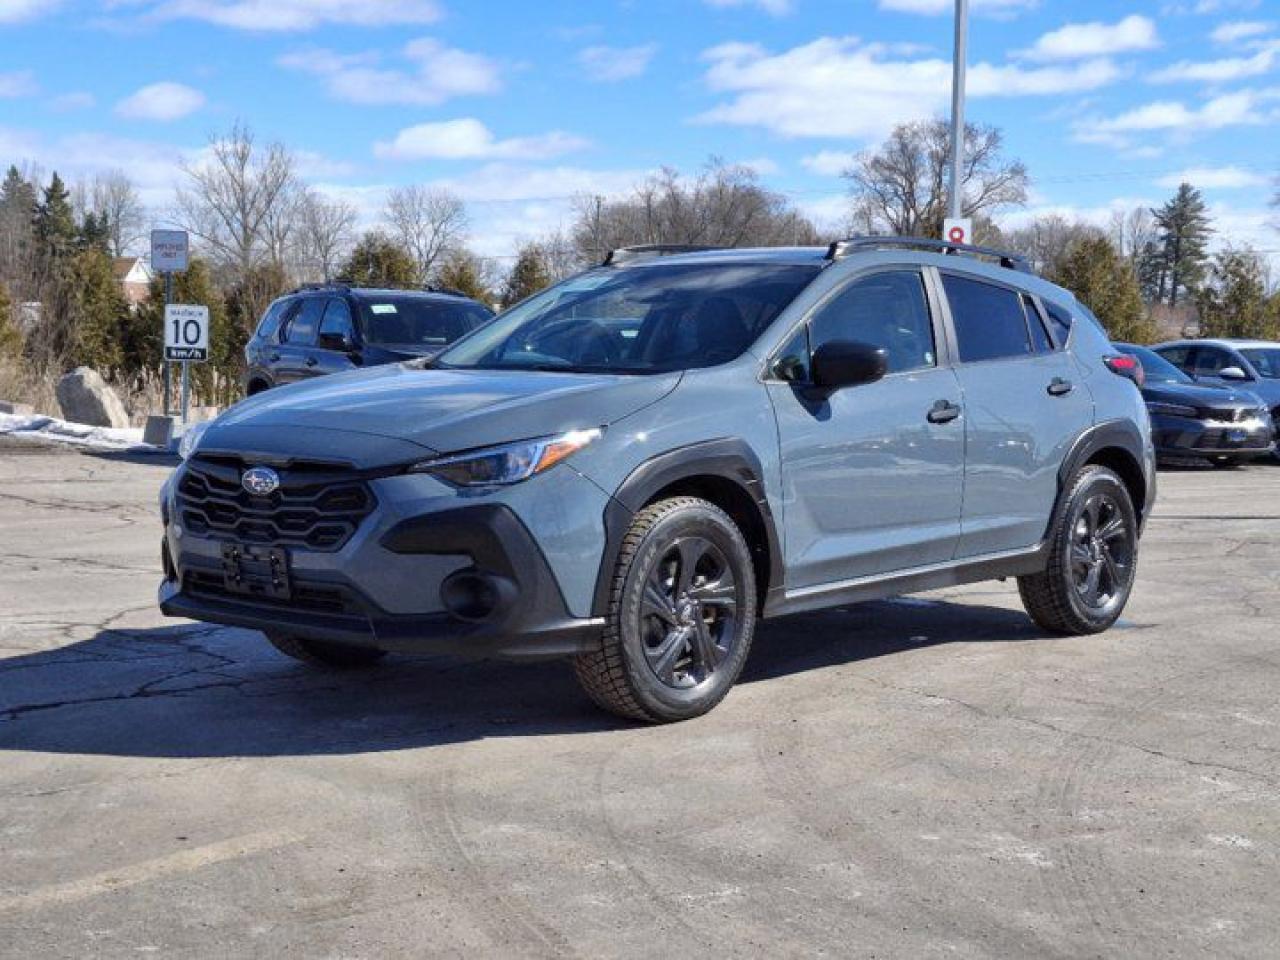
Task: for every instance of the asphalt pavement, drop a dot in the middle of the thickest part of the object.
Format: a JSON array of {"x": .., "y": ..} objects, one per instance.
[{"x": 926, "y": 777}]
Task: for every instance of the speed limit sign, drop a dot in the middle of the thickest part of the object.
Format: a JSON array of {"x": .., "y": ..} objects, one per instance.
[{"x": 186, "y": 332}]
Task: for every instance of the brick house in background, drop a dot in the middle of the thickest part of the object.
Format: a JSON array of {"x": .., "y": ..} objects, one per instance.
[{"x": 134, "y": 276}]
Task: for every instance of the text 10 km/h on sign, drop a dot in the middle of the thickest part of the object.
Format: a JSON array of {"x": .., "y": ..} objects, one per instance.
[{"x": 186, "y": 332}]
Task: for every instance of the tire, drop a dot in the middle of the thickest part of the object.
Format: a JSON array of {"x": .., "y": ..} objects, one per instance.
[
  {"x": 325, "y": 653},
  {"x": 1226, "y": 463},
  {"x": 681, "y": 616},
  {"x": 1093, "y": 544}
]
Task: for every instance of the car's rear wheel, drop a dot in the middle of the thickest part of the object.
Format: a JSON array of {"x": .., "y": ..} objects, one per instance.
[
  {"x": 1093, "y": 557},
  {"x": 325, "y": 653},
  {"x": 681, "y": 615}
]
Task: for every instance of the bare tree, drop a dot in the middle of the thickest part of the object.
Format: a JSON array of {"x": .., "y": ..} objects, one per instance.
[
  {"x": 1046, "y": 240},
  {"x": 724, "y": 205},
  {"x": 230, "y": 198},
  {"x": 1132, "y": 231},
  {"x": 427, "y": 222},
  {"x": 324, "y": 233},
  {"x": 115, "y": 195},
  {"x": 900, "y": 187}
]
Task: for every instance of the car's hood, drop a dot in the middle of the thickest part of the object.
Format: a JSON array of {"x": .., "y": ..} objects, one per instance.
[
  {"x": 1199, "y": 395},
  {"x": 446, "y": 410}
]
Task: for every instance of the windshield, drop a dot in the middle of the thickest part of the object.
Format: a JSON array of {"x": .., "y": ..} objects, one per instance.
[
  {"x": 644, "y": 319},
  {"x": 1266, "y": 360},
  {"x": 1156, "y": 367},
  {"x": 418, "y": 321}
]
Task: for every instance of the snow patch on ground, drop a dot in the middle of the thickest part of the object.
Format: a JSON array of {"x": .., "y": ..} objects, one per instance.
[{"x": 39, "y": 427}]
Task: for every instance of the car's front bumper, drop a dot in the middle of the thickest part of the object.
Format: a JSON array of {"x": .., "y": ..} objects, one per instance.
[
  {"x": 1184, "y": 437},
  {"x": 389, "y": 586}
]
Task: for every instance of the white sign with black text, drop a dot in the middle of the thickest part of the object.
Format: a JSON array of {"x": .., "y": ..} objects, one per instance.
[{"x": 186, "y": 332}]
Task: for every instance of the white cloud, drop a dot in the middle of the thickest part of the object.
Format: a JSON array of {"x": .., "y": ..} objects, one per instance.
[
  {"x": 609, "y": 64},
  {"x": 1222, "y": 71},
  {"x": 841, "y": 87},
  {"x": 469, "y": 139},
  {"x": 1234, "y": 31},
  {"x": 1175, "y": 118},
  {"x": 19, "y": 83},
  {"x": 433, "y": 74},
  {"x": 1095, "y": 39},
  {"x": 998, "y": 8},
  {"x": 290, "y": 15},
  {"x": 15, "y": 11},
  {"x": 161, "y": 101},
  {"x": 1215, "y": 178},
  {"x": 828, "y": 163},
  {"x": 777, "y": 8}
]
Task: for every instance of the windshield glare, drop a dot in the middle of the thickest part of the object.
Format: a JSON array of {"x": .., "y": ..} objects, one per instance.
[
  {"x": 650, "y": 318},
  {"x": 1266, "y": 360},
  {"x": 418, "y": 321},
  {"x": 1156, "y": 367}
]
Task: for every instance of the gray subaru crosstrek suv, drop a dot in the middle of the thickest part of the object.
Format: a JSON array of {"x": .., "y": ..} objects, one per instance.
[{"x": 633, "y": 466}]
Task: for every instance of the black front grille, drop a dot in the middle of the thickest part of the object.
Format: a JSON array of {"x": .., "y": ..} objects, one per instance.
[
  {"x": 315, "y": 507},
  {"x": 308, "y": 597},
  {"x": 1219, "y": 415}
]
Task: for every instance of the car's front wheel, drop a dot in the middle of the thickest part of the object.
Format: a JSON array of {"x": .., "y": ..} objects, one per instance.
[
  {"x": 681, "y": 616},
  {"x": 325, "y": 653},
  {"x": 1093, "y": 557}
]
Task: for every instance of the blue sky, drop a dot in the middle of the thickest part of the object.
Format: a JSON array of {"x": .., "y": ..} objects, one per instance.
[{"x": 518, "y": 105}]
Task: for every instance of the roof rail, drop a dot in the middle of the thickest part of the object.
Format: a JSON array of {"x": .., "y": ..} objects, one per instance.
[
  {"x": 643, "y": 250},
  {"x": 346, "y": 283},
  {"x": 1005, "y": 258}
]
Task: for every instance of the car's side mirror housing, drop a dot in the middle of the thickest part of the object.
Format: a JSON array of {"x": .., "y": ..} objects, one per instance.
[
  {"x": 341, "y": 342},
  {"x": 847, "y": 363},
  {"x": 1232, "y": 373}
]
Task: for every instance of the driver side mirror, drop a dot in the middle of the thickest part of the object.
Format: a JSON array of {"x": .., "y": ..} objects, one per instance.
[
  {"x": 1232, "y": 373},
  {"x": 847, "y": 363},
  {"x": 341, "y": 342}
]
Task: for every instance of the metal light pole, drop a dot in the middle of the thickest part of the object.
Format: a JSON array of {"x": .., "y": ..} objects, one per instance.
[{"x": 957, "y": 107}]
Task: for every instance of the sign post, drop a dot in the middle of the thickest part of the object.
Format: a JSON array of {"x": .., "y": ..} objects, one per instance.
[
  {"x": 186, "y": 340},
  {"x": 957, "y": 110},
  {"x": 169, "y": 250}
]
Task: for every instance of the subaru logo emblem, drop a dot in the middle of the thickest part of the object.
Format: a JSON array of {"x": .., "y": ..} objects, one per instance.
[{"x": 260, "y": 481}]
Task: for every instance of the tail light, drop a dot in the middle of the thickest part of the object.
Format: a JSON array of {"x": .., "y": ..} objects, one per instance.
[{"x": 1124, "y": 365}]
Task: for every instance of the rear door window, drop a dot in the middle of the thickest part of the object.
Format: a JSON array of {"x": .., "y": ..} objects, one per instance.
[
  {"x": 989, "y": 320},
  {"x": 301, "y": 330}
]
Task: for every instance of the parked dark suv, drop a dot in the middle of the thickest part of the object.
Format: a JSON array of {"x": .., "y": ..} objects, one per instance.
[
  {"x": 632, "y": 466},
  {"x": 332, "y": 328}
]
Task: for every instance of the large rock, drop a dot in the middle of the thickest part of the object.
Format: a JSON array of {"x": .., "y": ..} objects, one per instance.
[{"x": 85, "y": 398}]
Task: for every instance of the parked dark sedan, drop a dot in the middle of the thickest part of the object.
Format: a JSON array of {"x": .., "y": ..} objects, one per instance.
[
  {"x": 1225, "y": 426},
  {"x": 329, "y": 328}
]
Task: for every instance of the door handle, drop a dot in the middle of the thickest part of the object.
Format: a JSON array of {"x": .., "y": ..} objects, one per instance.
[
  {"x": 311, "y": 361},
  {"x": 944, "y": 411},
  {"x": 274, "y": 357},
  {"x": 1059, "y": 387}
]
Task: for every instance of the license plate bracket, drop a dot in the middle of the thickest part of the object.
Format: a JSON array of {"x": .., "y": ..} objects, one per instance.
[{"x": 256, "y": 571}]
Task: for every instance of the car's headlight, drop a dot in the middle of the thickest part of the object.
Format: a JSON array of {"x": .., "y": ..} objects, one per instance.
[
  {"x": 191, "y": 438},
  {"x": 1171, "y": 409},
  {"x": 508, "y": 463}
]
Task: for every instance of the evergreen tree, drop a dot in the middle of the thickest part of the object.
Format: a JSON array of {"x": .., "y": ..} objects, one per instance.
[
  {"x": 377, "y": 260},
  {"x": 461, "y": 272},
  {"x": 528, "y": 276},
  {"x": 1184, "y": 229},
  {"x": 95, "y": 231},
  {"x": 55, "y": 225},
  {"x": 17, "y": 220},
  {"x": 10, "y": 335},
  {"x": 1233, "y": 302},
  {"x": 1105, "y": 282},
  {"x": 100, "y": 313}
]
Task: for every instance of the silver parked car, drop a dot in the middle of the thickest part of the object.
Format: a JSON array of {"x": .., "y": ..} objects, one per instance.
[{"x": 631, "y": 467}]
